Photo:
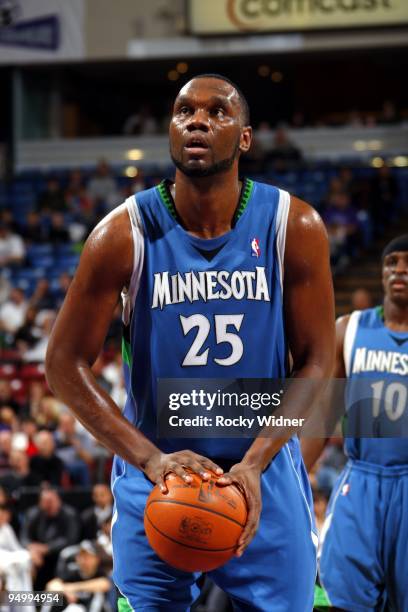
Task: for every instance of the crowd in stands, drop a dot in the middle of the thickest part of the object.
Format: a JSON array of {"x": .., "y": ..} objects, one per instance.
[
  {"x": 144, "y": 123},
  {"x": 55, "y": 505}
]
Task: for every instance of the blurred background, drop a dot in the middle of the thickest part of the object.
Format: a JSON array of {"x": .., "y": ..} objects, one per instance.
[{"x": 86, "y": 94}]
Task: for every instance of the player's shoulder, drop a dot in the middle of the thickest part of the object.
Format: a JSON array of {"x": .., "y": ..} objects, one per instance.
[{"x": 367, "y": 318}]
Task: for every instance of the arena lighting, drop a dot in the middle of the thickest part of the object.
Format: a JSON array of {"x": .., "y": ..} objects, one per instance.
[
  {"x": 360, "y": 145},
  {"x": 131, "y": 171},
  {"x": 173, "y": 75},
  {"x": 182, "y": 67},
  {"x": 263, "y": 71},
  {"x": 374, "y": 145},
  {"x": 134, "y": 154},
  {"x": 401, "y": 161},
  {"x": 276, "y": 76},
  {"x": 377, "y": 162}
]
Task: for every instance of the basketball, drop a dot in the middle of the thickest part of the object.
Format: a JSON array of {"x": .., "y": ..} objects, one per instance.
[{"x": 195, "y": 526}]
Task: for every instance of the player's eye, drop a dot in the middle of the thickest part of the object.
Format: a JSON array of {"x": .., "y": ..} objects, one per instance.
[
  {"x": 184, "y": 110},
  {"x": 218, "y": 111}
]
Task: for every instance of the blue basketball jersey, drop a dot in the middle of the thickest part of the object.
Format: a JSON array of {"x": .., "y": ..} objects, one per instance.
[
  {"x": 376, "y": 360},
  {"x": 201, "y": 308}
]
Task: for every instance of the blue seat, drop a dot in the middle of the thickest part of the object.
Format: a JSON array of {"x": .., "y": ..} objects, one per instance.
[{"x": 37, "y": 250}]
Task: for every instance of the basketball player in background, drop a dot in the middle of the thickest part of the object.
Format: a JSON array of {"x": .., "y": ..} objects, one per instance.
[
  {"x": 264, "y": 257},
  {"x": 364, "y": 555}
]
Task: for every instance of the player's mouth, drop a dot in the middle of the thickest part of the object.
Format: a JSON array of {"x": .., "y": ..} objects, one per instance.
[
  {"x": 196, "y": 145},
  {"x": 399, "y": 283}
]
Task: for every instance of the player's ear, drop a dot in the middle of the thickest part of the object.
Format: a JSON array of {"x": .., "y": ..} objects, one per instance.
[{"x": 246, "y": 139}]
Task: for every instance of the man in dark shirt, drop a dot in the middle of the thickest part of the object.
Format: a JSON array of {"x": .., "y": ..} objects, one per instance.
[
  {"x": 86, "y": 583},
  {"x": 46, "y": 464},
  {"x": 92, "y": 518},
  {"x": 19, "y": 475},
  {"x": 47, "y": 529}
]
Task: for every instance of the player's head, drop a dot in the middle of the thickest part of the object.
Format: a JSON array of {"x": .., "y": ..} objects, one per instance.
[
  {"x": 209, "y": 128},
  {"x": 395, "y": 270}
]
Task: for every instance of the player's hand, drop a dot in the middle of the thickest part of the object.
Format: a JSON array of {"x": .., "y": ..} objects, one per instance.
[
  {"x": 248, "y": 480},
  {"x": 180, "y": 463}
]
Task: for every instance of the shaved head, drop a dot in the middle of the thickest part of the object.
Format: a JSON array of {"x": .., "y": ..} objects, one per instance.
[{"x": 245, "y": 113}]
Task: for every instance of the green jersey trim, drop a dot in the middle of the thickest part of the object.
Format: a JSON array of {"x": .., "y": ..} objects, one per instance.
[
  {"x": 163, "y": 190},
  {"x": 126, "y": 352},
  {"x": 123, "y": 605}
]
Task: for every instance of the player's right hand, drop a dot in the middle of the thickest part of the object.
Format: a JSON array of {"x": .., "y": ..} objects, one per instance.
[{"x": 180, "y": 463}]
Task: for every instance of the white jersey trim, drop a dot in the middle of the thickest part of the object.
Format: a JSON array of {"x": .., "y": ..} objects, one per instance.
[
  {"x": 281, "y": 224},
  {"x": 349, "y": 338},
  {"x": 129, "y": 293}
]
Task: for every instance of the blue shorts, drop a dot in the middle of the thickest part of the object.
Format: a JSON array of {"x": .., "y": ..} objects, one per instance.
[
  {"x": 364, "y": 555},
  {"x": 275, "y": 574}
]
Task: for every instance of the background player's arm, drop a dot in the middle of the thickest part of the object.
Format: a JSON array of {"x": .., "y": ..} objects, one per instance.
[
  {"x": 309, "y": 319},
  {"x": 77, "y": 338},
  {"x": 312, "y": 448}
]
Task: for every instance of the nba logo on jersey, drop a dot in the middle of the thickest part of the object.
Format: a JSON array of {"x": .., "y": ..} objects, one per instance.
[{"x": 256, "y": 250}]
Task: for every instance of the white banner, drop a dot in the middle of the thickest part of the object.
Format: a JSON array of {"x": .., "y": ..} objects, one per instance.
[
  {"x": 34, "y": 31},
  {"x": 224, "y": 16}
]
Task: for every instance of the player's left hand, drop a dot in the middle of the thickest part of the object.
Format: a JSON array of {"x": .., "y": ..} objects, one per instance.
[{"x": 248, "y": 480}]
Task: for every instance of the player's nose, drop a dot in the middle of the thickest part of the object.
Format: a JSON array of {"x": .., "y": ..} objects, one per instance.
[{"x": 199, "y": 120}]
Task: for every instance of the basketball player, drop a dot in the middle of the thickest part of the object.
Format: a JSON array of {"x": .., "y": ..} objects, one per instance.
[
  {"x": 267, "y": 287},
  {"x": 364, "y": 556}
]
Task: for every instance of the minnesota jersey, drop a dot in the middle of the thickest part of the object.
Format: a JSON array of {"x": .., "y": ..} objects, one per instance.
[
  {"x": 198, "y": 308},
  {"x": 376, "y": 360}
]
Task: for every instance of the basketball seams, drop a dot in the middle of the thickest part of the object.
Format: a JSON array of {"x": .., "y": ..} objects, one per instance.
[
  {"x": 165, "y": 535},
  {"x": 183, "y": 503}
]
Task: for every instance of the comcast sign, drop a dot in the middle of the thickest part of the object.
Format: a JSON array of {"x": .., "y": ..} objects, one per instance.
[{"x": 217, "y": 16}]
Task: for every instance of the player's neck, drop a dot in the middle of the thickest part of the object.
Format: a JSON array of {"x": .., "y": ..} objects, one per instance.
[
  {"x": 395, "y": 315},
  {"x": 206, "y": 206}
]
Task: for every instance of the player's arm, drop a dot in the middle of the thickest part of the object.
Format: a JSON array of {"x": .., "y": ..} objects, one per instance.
[
  {"x": 77, "y": 338},
  {"x": 309, "y": 320},
  {"x": 312, "y": 448}
]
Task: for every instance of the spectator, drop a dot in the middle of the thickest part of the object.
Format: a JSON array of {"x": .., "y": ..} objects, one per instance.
[
  {"x": 361, "y": 299},
  {"x": 389, "y": 115},
  {"x": 29, "y": 429},
  {"x": 52, "y": 199},
  {"x": 94, "y": 517},
  {"x": 86, "y": 584},
  {"x": 320, "y": 500},
  {"x": 12, "y": 249},
  {"x": 141, "y": 122},
  {"x": 98, "y": 371},
  {"x": 102, "y": 187},
  {"x": 384, "y": 196},
  {"x": 36, "y": 354},
  {"x": 46, "y": 464},
  {"x": 59, "y": 293},
  {"x": 13, "y": 311},
  {"x": 15, "y": 561},
  {"x": 57, "y": 232},
  {"x": 28, "y": 334},
  {"x": 6, "y": 438},
  {"x": 8, "y": 419},
  {"x": 6, "y": 396},
  {"x": 42, "y": 298},
  {"x": 113, "y": 374},
  {"x": 71, "y": 448},
  {"x": 46, "y": 412},
  {"x": 33, "y": 230},
  {"x": 284, "y": 153},
  {"x": 342, "y": 226},
  {"x": 19, "y": 475},
  {"x": 5, "y": 289},
  {"x": 47, "y": 529}
]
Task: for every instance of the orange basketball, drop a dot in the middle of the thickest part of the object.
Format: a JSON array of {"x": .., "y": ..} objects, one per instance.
[{"x": 196, "y": 526}]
